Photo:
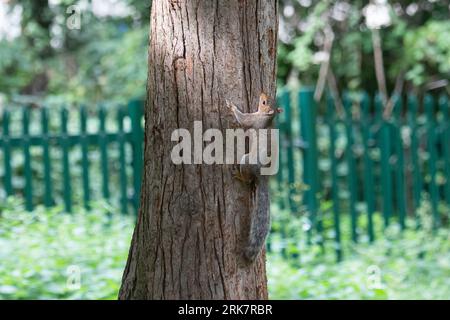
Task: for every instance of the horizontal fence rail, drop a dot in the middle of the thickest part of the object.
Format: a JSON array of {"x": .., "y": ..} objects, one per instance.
[
  {"x": 364, "y": 164},
  {"x": 54, "y": 161}
]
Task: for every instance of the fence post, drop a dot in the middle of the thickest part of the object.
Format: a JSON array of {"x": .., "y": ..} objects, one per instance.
[
  {"x": 135, "y": 109},
  {"x": 386, "y": 177},
  {"x": 386, "y": 174},
  {"x": 310, "y": 171},
  {"x": 281, "y": 125},
  {"x": 46, "y": 158},
  {"x": 431, "y": 144},
  {"x": 85, "y": 158},
  {"x": 445, "y": 138},
  {"x": 369, "y": 183},
  {"x": 27, "y": 159},
  {"x": 399, "y": 170},
  {"x": 103, "y": 141},
  {"x": 416, "y": 177},
  {"x": 351, "y": 166},
  {"x": 122, "y": 162},
  {"x": 67, "y": 193},
  {"x": 286, "y": 103},
  {"x": 331, "y": 120}
]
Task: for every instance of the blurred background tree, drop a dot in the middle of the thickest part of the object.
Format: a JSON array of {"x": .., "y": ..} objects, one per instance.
[
  {"x": 414, "y": 42},
  {"x": 99, "y": 60}
]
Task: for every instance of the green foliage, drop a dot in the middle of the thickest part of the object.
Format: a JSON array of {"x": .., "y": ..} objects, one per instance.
[
  {"x": 107, "y": 57},
  {"x": 113, "y": 67},
  {"x": 415, "y": 42},
  {"x": 428, "y": 51},
  {"x": 16, "y": 70},
  {"x": 38, "y": 248},
  {"x": 302, "y": 55}
]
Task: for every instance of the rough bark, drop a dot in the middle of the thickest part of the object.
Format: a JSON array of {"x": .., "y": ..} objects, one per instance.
[{"x": 193, "y": 219}]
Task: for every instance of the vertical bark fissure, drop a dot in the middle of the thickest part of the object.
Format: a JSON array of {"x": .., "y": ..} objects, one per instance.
[
  {"x": 257, "y": 10},
  {"x": 246, "y": 80},
  {"x": 161, "y": 214}
]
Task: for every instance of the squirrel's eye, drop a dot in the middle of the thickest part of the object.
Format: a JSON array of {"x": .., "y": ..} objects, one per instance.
[{"x": 264, "y": 102}]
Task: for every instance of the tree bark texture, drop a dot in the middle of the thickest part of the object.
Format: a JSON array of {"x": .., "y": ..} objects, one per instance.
[{"x": 194, "y": 219}]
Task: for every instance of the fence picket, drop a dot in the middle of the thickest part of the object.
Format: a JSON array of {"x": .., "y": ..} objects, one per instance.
[
  {"x": 351, "y": 166},
  {"x": 103, "y": 142},
  {"x": 331, "y": 121},
  {"x": 84, "y": 157},
  {"x": 7, "y": 154},
  {"x": 385, "y": 174},
  {"x": 135, "y": 112},
  {"x": 281, "y": 124},
  {"x": 310, "y": 169},
  {"x": 417, "y": 184},
  {"x": 445, "y": 142},
  {"x": 122, "y": 163},
  {"x": 67, "y": 188},
  {"x": 286, "y": 102},
  {"x": 400, "y": 165},
  {"x": 432, "y": 152},
  {"x": 28, "y": 189},
  {"x": 369, "y": 190},
  {"x": 48, "y": 201}
]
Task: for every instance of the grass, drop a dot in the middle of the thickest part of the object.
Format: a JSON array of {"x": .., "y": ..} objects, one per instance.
[{"x": 49, "y": 255}]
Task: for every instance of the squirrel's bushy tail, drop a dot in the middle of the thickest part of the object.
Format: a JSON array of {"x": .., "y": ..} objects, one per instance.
[{"x": 260, "y": 220}]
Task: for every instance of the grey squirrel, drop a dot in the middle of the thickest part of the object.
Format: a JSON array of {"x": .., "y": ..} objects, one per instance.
[{"x": 250, "y": 174}]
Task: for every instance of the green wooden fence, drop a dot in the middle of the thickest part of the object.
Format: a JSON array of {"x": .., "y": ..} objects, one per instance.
[
  {"x": 366, "y": 166},
  {"x": 36, "y": 149},
  {"x": 363, "y": 163}
]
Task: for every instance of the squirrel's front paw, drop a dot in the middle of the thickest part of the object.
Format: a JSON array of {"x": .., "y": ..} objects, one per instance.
[
  {"x": 229, "y": 104},
  {"x": 236, "y": 173}
]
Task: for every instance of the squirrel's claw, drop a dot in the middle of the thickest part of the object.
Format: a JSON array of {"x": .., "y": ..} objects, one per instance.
[
  {"x": 229, "y": 104},
  {"x": 237, "y": 174}
]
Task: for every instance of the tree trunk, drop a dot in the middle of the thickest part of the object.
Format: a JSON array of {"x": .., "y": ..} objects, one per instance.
[{"x": 194, "y": 218}]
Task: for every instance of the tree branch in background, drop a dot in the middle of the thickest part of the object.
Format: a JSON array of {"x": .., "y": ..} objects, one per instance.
[
  {"x": 332, "y": 84},
  {"x": 379, "y": 68},
  {"x": 326, "y": 75},
  {"x": 324, "y": 67},
  {"x": 436, "y": 84},
  {"x": 397, "y": 91},
  {"x": 388, "y": 105}
]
